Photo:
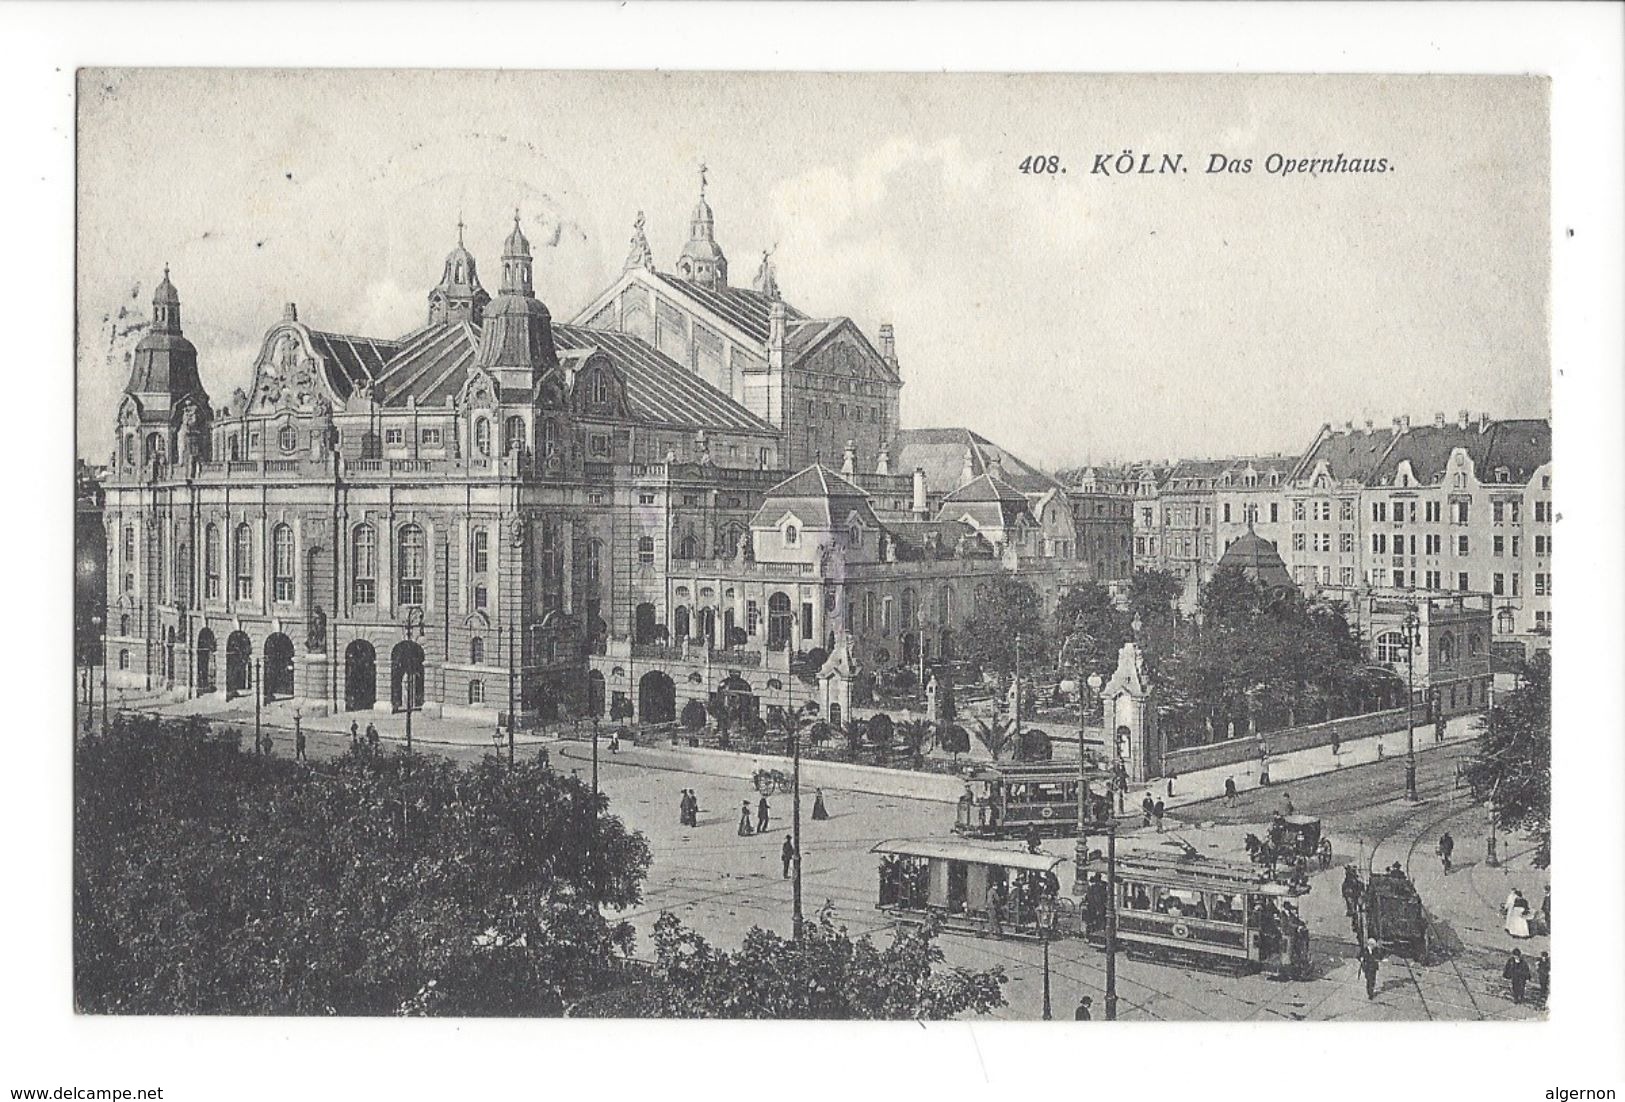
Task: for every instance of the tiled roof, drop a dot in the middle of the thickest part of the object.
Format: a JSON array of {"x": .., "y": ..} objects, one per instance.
[
  {"x": 1257, "y": 558},
  {"x": 744, "y": 308},
  {"x": 1349, "y": 455},
  {"x": 817, "y": 495},
  {"x": 352, "y": 359},
  {"x": 927, "y": 539},
  {"x": 816, "y": 481},
  {"x": 659, "y": 390},
  {"x": 431, "y": 365},
  {"x": 941, "y": 452},
  {"x": 1519, "y": 446},
  {"x": 988, "y": 487}
]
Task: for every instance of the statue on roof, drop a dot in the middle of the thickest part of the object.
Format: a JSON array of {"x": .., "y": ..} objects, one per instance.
[
  {"x": 766, "y": 282},
  {"x": 639, "y": 256}
]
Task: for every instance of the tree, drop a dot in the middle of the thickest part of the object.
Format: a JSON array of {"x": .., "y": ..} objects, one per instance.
[
  {"x": 824, "y": 975},
  {"x": 916, "y": 737},
  {"x": 207, "y": 880},
  {"x": 1089, "y": 629},
  {"x": 1035, "y": 745},
  {"x": 1511, "y": 767},
  {"x": 1007, "y": 608},
  {"x": 881, "y": 731},
  {"x": 1152, "y": 594},
  {"x": 954, "y": 739},
  {"x": 996, "y": 736}
]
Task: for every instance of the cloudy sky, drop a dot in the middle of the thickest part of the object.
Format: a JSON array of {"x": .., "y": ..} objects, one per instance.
[{"x": 1071, "y": 317}]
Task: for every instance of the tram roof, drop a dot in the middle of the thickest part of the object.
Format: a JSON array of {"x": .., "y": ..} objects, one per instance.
[
  {"x": 1028, "y": 770},
  {"x": 1199, "y": 871},
  {"x": 976, "y": 855}
]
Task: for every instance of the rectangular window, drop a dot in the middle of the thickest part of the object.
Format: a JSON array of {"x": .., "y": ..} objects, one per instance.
[
  {"x": 1345, "y": 576},
  {"x": 1515, "y": 512},
  {"x": 429, "y": 438},
  {"x": 1543, "y": 620},
  {"x": 1275, "y": 512},
  {"x": 886, "y": 616},
  {"x": 1543, "y": 585},
  {"x": 1498, "y": 584},
  {"x": 1433, "y": 579},
  {"x": 1379, "y": 543},
  {"x": 395, "y": 436},
  {"x": 753, "y": 616},
  {"x": 1433, "y": 542},
  {"x": 1346, "y": 509},
  {"x": 1227, "y": 512},
  {"x": 1498, "y": 545},
  {"x": 806, "y": 620},
  {"x": 1498, "y": 511},
  {"x": 646, "y": 550},
  {"x": 1345, "y": 542},
  {"x": 482, "y": 551},
  {"x": 1431, "y": 512},
  {"x": 1517, "y": 546},
  {"x": 595, "y": 497},
  {"x": 598, "y": 445},
  {"x": 481, "y": 597},
  {"x": 1461, "y": 546},
  {"x": 1461, "y": 581},
  {"x": 1460, "y": 511},
  {"x": 1517, "y": 585},
  {"x": 1543, "y": 545},
  {"x": 1379, "y": 510},
  {"x": 691, "y": 500},
  {"x": 646, "y": 499}
]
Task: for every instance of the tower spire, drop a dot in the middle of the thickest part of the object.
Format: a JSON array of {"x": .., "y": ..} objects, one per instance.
[{"x": 702, "y": 260}]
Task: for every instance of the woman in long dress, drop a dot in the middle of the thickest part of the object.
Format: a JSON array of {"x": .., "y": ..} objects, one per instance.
[
  {"x": 1517, "y": 912},
  {"x": 745, "y": 828},
  {"x": 819, "y": 810}
]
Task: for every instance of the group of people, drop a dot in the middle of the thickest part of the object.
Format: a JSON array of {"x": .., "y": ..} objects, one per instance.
[
  {"x": 1518, "y": 973},
  {"x": 689, "y": 810},
  {"x": 355, "y": 736},
  {"x": 1522, "y": 920},
  {"x": 1152, "y": 811}
]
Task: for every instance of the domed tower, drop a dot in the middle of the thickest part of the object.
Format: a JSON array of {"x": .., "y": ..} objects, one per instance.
[
  {"x": 459, "y": 296},
  {"x": 702, "y": 260},
  {"x": 166, "y": 413},
  {"x": 516, "y": 345}
]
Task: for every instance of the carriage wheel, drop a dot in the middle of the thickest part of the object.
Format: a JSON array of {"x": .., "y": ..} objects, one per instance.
[{"x": 765, "y": 782}]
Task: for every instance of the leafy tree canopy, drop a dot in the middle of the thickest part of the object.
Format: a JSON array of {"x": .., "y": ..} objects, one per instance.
[
  {"x": 1007, "y": 609},
  {"x": 1511, "y": 765}
]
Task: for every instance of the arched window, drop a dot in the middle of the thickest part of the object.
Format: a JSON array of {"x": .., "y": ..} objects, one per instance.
[
  {"x": 599, "y": 391},
  {"x": 791, "y": 536},
  {"x": 364, "y": 565},
  {"x": 183, "y": 573},
  {"x": 235, "y": 449},
  {"x": 242, "y": 561},
  {"x": 910, "y": 610},
  {"x": 513, "y": 436},
  {"x": 1503, "y": 621},
  {"x": 476, "y": 692},
  {"x": 155, "y": 447},
  {"x": 482, "y": 596},
  {"x": 689, "y": 548},
  {"x": 1475, "y": 644},
  {"x": 129, "y": 449},
  {"x": 1447, "y": 649},
  {"x": 123, "y": 659},
  {"x": 282, "y": 563},
  {"x": 211, "y": 563},
  {"x": 409, "y": 565},
  {"x": 728, "y": 541},
  {"x": 945, "y": 606},
  {"x": 549, "y": 437},
  {"x": 482, "y": 436},
  {"x": 287, "y": 438},
  {"x": 124, "y": 625},
  {"x": 595, "y": 560},
  {"x": 482, "y": 550},
  {"x": 646, "y": 550},
  {"x": 1391, "y": 647},
  {"x": 476, "y": 650}
]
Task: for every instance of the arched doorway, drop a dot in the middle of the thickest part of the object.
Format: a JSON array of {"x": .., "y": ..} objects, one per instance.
[
  {"x": 737, "y": 700},
  {"x": 679, "y": 623},
  {"x": 360, "y": 676},
  {"x": 239, "y": 655},
  {"x": 657, "y": 698},
  {"x": 405, "y": 665},
  {"x": 781, "y": 621},
  {"x": 911, "y": 648},
  {"x": 595, "y": 693},
  {"x": 708, "y": 625},
  {"x": 644, "y": 624},
  {"x": 278, "y": 666},
  {"x": 205, "y": 662}
]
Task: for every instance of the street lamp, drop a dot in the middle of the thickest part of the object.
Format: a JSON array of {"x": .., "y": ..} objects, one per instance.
[
  {"x": 795, "y": 823},
  {"x": 1412, "y": 627},
  {"x": 1111, "y": 919},
  {"x": 1047, "y": 912}
]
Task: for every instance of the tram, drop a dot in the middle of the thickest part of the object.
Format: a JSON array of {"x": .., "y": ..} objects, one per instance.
[
  {"x": 1009, "y": 799},
  {"x": 1190, "y": 909},
  {"x": 975, "y": 889}
]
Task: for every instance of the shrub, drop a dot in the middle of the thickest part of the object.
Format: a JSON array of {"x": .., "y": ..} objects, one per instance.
[{"x": 694, "y": 715}]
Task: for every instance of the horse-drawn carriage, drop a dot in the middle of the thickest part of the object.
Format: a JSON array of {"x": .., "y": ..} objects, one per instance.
[
  {"x": 1292, "y": 841},
  {"x": 1391, "y": 913}
]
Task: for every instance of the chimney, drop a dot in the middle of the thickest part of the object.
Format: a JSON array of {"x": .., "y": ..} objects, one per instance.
[
  {"x": 775, "y": 333},
  {"x": 888, "y": 344},
  {"x": 1464, "y": 419},
  {"x": 1438, "y": 420},
  {"x": 995, "y": 465},
  {"x": 967, "y": 472},
  {"x": 290, "y": 312},
  {"x": 1483, "y": 422},
  {"x": 849, "y": 461},
  {"x": 1370, "y": 426},
  {"x": 919, "y": 493},
  {"x": 883, "y": 459},
  {"x": 1348, "y": 426}
]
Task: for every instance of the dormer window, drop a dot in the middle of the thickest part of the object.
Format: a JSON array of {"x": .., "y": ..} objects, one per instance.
[
  {"x": 857, "y": 535},
  {"x": 598, "y": 389},
  {"x": 287, "y": 438},
  {"x": 792, "y": 537}
]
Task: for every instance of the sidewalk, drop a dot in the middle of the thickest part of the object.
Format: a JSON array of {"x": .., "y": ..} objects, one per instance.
[{"x": 1209, "y": 783}]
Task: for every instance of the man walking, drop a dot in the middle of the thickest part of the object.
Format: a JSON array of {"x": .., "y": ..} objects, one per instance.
[
  {"x": 298, "y": 742},
  {"x": 355, "y": 734},
  {"x": 1447, "y": 846},
  {"x": 1157, "y": 811},
  {"x": 1517, "y": 973},
  {"x": 787, "y": 854},
  {"x": 990, "y": 901},
  {"x": 1230, "y": 792},
  {"x": 1147, "y": 807},
  {"x": 761, "y": 816},
  {"x": 682, "y": 809},
  {"x": 1543, "y": 977},
  {"x": 1082, "y": 1013},
  {"x": 372, "y": 737},
  {"x": 1368, "y": 965},
  {"x": 1035, "y": 841}
]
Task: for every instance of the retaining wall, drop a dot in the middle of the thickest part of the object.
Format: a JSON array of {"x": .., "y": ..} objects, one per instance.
[
  {"x": 872, "y": 779},
  {"x": 1285, "y": 741}
]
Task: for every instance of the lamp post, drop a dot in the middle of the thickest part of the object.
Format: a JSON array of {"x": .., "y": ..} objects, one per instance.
[
  {"x": 1046, "y": 928},
  {"x": 510, "y": 693},
  {"x": 1111, "y": 919},
  {"x": 90, "y": 673},
  {"x": 795, "y": 823},
  {"x": 258, "y": 681},
  {"x": 406, "y": 691},
  {"x": 1412, "y": 625}
]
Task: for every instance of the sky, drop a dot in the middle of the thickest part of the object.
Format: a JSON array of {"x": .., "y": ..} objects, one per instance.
[{"x": 1071, "y": 317}]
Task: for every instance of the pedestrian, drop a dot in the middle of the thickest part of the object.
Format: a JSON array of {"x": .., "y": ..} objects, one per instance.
[
  {"x": 1352, "y": 890},
  {"x": 990, "y": 900},
  {"x": 1121, "y": 796},
  {"x": 820, "y": 812},
  {"x": 745, "y": 830},
  {"x": 1157, "y": 810},
  {"x": 1286, "y": 800},
  {"x": 787, "y": 854},
  {"x": 682, "y": 809},
  {"x": 1447, "y": 846},
  {"x": 1035, "y": 841},
  {"x": 1516, "y": 909},
  {"x": 615, "y": 743},
  {"x": 1230, "y": 792},
  {"x": 298, "y": 744},
  {"x": 761, "y": 815},
  {"x": 1368, "y": 966},
  {"x": 1172, "y": 777},
  {"x": 1148, "y": 806},
  {"x": 372, "y": 737},
  {"x": 355, "y": 734},
  {"x": 1546, "y": 911},
  {"x": 1095, "y": 902},
  {"x": 1517, "y": 973},
  {"x": 1543, "y": 977},
  {"x": 1082, "y": 1013}
]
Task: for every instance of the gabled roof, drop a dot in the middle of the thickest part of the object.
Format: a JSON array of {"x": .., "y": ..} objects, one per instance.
[
  {"x": 816, "y": 481},
  {"x": 988, "y": 487},
  {"x": 1520, "y": 446},
  {"x": 659, "y": 390},
  {"x": 817, "y": 495},
  {"x": 1349, "y": 455},
  {"x": 941, "y": 452},
  {"x": 352, "y": 359},
  {"x": 739, "y": 306}
]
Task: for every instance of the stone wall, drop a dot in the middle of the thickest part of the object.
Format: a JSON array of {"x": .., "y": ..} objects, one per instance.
[{"x": 1235, "y": 751}]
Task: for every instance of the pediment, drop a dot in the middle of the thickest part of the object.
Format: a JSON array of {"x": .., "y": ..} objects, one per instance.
[{"x": 289, "y": 374}]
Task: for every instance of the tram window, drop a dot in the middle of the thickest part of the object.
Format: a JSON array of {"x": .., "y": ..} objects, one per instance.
[
  {"x": 1137, "y": 898},
  {"x": 1183, "y": 903},
  {"x": 1227, "y": 908}
]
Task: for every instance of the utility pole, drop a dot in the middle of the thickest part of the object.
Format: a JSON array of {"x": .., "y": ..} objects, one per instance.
[
  {"x": 1015, "y": 703},
  {"x": 795, "y": 823},
  {"x": 406, "y": 691},
  {"x": 510, "y": 693},
  {"x": 258, "y": 681},
  {"x": 1111, "y": 919},
  {"x": 1412, "y": 633}
]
